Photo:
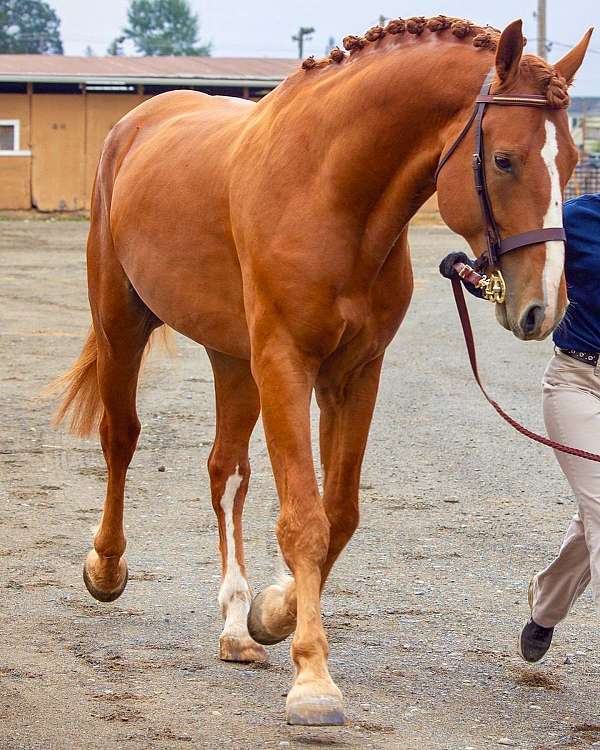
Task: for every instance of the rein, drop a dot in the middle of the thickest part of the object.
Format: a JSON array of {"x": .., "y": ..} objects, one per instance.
[
  {"x": 493, "y": 286},
  {"x": 463, "y": 314}
]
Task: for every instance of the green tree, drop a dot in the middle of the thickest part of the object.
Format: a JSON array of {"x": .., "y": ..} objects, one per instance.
[
  {"x": 164, "y": 27},
  {"x": 29, "y": 27}
]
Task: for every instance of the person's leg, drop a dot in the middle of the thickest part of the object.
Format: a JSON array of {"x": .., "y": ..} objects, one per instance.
[
  {"x": 555, "y": 589},
  {"x": 572, "y": 417}
]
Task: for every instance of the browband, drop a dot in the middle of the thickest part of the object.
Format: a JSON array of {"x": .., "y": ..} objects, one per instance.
[{"x": 527, "y": 100}]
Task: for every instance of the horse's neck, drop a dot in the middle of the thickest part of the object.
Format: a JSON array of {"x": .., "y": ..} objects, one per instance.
[{"x": 377, "y": 127}]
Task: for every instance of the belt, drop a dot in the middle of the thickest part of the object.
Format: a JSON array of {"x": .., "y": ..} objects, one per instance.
[{"x": 590, "y": 358}]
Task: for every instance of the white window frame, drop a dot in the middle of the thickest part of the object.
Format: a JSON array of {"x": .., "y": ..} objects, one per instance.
[{"x": 17, "y": 151}]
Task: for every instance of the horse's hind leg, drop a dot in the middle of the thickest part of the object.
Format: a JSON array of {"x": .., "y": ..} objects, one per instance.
[
  {"x": 122, "y": 325},
  {"x": 238, "y": 407}
]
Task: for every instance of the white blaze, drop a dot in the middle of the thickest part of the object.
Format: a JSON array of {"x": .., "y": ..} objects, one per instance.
[
  {"x": 555, "y": 250},
  {"x": 234, "y": 594}
]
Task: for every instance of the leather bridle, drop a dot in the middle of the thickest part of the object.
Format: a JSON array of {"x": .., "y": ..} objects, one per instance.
[{"x": 496, "y": 246}]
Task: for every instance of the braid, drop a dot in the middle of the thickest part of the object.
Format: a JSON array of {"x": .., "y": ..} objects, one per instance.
[
  {"x": 485, "y": 37},
  {"x": 557, "y": 92}
]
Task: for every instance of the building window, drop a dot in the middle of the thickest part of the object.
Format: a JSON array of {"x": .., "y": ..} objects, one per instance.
[{"x": 10, "y": 139}]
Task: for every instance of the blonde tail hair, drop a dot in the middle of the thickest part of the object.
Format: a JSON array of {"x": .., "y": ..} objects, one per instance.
[{"x": 78, "y": 386}]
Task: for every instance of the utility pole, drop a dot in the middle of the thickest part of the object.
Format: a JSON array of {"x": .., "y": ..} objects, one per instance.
[
  {"x": 541, "y": 29},
  {"x": 303, "y": 32}
]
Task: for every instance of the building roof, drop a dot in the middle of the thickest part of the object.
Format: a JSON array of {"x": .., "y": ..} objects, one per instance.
[{"x": 215, "y": 71}]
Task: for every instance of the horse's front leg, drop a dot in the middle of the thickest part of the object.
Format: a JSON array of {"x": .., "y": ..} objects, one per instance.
[
  {"x": 346, "y": 402},
  {"x": 285, "y": 379},
  {"x": 346, "y": 406}
]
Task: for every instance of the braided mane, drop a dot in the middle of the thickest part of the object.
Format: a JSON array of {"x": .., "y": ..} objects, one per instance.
[
  {"x": 552, "y": 84},
  {"x": 549, "y": 80},
  {"x": 482, "y": 36}
]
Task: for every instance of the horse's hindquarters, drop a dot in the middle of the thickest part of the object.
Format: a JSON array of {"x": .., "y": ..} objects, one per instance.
[{"x": 169, "y": 217}]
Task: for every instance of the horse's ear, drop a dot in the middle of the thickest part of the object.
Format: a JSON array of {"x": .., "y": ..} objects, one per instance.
[
  {"x": 510, "y": 49},
  {"x": 571, "y": 62}
]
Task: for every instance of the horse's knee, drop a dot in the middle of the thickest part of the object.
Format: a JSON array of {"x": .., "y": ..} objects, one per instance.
[{"x": 304, "y": 535}]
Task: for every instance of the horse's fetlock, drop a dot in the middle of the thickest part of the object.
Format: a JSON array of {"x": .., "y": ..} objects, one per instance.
[
  {"x": 109, "y": 548},
  {"x": 307, "y": 649}
]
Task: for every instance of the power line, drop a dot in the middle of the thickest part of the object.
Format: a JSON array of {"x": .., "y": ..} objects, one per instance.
[{"x": 553, "y": 42}]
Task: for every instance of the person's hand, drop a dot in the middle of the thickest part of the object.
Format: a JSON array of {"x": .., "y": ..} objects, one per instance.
[
  {"x": 447, "y": 271},
  {"x": 446, "y": 266}
]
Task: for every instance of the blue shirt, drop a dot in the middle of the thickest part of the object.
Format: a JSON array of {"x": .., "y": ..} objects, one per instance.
[{"x": 580, "y": 328}]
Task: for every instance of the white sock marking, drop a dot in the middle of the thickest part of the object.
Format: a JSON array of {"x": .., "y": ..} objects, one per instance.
[
  {"x": 555, "y": 251},
  {"x": 234, "y": 594}
]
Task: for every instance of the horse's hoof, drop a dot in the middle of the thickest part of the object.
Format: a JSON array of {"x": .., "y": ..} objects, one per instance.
[
  {"x": 316, "y": 711},
  {"x": 261, "y": 622},
  {"x": 100, "y": 593},
  {"x": 244, "y": 649}
]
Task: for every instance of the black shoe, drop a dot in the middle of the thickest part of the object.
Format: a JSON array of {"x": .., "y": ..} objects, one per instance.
[{"x": 534, "y": 641}]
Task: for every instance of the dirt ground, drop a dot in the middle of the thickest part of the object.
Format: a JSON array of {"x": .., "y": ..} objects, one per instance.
[{"x": 422, "y": 610}]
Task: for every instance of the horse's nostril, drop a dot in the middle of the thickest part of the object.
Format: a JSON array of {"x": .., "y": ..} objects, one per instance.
[{"x": 532, "y": 319}]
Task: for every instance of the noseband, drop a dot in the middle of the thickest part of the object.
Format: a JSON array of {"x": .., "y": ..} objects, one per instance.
[{"x": 493, "y": 286}]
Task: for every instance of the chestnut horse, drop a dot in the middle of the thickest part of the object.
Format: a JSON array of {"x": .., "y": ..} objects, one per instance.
[{"x": 275, "y": 235}]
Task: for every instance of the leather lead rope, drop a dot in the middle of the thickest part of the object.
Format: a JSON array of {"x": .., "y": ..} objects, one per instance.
[{"x": 463, "y": 314}]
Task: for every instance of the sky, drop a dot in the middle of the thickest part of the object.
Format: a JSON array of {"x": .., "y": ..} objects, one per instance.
[{"x": 251, "y": 28}]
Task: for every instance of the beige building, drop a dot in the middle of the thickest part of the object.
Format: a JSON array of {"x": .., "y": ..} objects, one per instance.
[{"x": 55, "y": 112}]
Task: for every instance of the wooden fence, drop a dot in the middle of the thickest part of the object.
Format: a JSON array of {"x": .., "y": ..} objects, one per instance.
[{"x": 585, "y": 179}]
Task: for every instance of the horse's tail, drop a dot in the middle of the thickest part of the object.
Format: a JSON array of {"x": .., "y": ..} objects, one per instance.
[{"x": 78, "y": 388}]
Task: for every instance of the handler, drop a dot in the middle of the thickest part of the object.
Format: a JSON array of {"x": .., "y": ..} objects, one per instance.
[{"x": 571, "y": 400}]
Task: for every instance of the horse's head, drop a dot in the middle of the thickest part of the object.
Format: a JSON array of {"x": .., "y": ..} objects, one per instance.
[{"x": 529, "y": 156}]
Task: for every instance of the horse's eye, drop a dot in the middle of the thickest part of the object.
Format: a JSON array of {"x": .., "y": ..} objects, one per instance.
[{"x": 503, "y": 163}]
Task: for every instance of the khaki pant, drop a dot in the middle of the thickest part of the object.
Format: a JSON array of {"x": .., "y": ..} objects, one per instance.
[{"x": 572, "y": 415}]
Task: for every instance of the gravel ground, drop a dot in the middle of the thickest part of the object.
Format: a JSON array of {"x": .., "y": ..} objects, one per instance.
[{"x": 422, "y": 610}]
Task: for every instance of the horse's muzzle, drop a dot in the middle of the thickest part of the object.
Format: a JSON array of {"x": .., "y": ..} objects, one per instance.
[{"x": 532, "y": 321}]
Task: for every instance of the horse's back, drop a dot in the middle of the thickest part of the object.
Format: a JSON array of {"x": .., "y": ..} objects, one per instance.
[
  {"x": 173, "y": 105},
  {"x": 157, "y": 122}
]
